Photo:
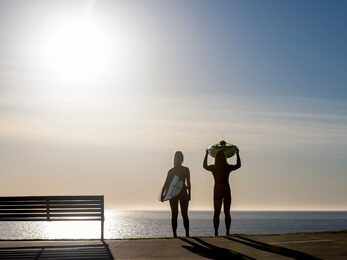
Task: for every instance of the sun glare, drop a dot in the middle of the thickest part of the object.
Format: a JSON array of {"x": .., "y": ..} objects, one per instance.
[
  {"x": 72, "y": 230},
  {"x": 78, "y": 51}
]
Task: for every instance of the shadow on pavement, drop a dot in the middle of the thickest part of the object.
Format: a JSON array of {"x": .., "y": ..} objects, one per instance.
[
  {"x": 98, "y": 251},
  {"x": 204, "y": 249},
  {"x": 271, "y": 248}
]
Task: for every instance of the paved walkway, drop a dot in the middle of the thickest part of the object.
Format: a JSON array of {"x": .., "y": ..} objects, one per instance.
[{"x": 328, "y": 245}]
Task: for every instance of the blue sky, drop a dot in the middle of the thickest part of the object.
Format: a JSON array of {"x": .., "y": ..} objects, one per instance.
[
  {"x": 295, "y": 48},
  {"x": 270, "y": 75},
  {"x": 282, "y": 47}
]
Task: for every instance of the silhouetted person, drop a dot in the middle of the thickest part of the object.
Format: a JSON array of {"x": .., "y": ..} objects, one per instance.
[
  {"x": 221, "y": 171},
  {"x": 183, "y": 197}
]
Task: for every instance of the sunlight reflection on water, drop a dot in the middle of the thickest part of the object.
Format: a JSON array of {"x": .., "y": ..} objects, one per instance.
[
  {"x": 117, "y": 225},
  {"x": 145, "y": 224}
]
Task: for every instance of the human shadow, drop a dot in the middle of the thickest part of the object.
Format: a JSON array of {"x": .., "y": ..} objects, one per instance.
[
  {"x": 271, "y": 248},
  {"x": 207, "y": 250},
  {"x": 96, "y": 251}
]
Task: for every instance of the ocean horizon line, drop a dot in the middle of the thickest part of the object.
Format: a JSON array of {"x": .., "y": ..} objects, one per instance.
[{"x": 232, "y": 210}]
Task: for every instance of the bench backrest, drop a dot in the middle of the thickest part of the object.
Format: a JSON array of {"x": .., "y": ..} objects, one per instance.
[{"x": 52, "y": 208}]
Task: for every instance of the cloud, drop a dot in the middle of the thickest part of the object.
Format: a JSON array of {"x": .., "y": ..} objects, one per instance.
[{"x": 164, "y": 121}]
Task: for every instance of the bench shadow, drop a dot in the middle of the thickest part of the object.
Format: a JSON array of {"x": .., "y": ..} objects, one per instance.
[
  {"x": 207, "y": 250},
  {"x": 271, "y": 248},
  {"x": 96, "y": 251}
]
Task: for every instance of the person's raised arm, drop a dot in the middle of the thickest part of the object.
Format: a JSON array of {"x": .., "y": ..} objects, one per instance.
[
  {"x": 238, "y": 160},
  {"x": 206, "y": 167}
]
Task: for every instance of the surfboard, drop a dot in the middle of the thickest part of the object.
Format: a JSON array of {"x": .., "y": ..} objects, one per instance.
[
  {"x": 175, "y": 187},
  {"x": 228, "y": 149}
]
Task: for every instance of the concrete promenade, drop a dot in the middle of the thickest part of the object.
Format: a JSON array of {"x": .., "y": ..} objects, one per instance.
[{"x": 327, "y": 245}]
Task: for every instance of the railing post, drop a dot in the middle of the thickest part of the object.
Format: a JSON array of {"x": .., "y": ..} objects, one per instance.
[
  {"x": 47, "y": 209},
  {"x": 102, "y": 217}
]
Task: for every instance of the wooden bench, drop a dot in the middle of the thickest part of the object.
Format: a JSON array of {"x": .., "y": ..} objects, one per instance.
[{"x": 53, "y": 208}]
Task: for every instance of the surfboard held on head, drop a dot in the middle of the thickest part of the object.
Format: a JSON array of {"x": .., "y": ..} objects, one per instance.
[{"x": 228, "y": 149}]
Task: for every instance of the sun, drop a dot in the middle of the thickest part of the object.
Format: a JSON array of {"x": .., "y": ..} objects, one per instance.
[{"x": 78, "y": 51}]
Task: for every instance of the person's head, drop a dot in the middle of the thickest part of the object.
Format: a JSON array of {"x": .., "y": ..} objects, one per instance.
[
  {"x": 220, "y": 159},
  {"x": 178, "y": 159}
]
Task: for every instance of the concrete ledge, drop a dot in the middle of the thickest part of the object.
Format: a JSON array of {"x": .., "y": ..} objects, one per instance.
[{"x": 327, "y": 245}]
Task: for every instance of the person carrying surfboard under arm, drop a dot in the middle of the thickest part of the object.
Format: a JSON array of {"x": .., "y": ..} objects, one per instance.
[
  {"x": 221, "y": 171},
  {"x": 177, "y": 189}
]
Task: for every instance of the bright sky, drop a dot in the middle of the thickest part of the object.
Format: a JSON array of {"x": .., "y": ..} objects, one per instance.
[{"x": 96, "y": 96}]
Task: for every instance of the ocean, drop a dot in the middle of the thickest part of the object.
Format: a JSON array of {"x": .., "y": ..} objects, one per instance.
[{"x": 154, "y": 224}]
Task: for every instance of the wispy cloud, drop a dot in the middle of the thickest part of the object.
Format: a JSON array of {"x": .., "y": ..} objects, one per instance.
[{"x": 166, "y": 121}]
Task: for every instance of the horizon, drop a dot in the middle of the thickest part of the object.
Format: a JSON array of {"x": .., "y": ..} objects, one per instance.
[
  {"x": 96, "y": 97},
  {"x": 232, "y": 210}
]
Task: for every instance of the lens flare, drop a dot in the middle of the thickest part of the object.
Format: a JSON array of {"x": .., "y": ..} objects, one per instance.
[{"x": 78, "y": 51}]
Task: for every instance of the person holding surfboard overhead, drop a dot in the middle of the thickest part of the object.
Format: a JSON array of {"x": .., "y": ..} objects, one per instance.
[
  {"x": 177, "y": 189},
  {"x": 221, "y": 171}
]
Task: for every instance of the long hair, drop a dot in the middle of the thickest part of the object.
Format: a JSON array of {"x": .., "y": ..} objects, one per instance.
[
  {"x": 220, "y": 159},
  {"x": 178, "y": 159}
]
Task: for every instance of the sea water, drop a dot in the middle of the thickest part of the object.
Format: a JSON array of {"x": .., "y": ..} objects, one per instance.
[{"x": 153, "y": 224}]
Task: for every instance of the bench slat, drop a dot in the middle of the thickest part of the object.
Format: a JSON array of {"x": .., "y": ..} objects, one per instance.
[
  {"x": 7, "y": 211},
  {"x": 2, "y": 211},
  {"x": 62, "y": 218},
  {"x": 94, "y": 202},
  {"x": 24, "y": 207},
  {"x": 74, "y": 210},
  {"x": 74, "y": 215},
  {"x": 22, "y": 203},
  {"x": 75, "y": 206},
  {"x": 57, "y": 207},
  {"x": 76, "y": 219},
  {"x": 22, "y": 199},
  {"x": 23, "y": 219},
  {"x": 76, "y": 197},
  {"x": 68, "y": 202},
  {"x": 42, "y": 198},
  {"x": 23, "y": 216}
]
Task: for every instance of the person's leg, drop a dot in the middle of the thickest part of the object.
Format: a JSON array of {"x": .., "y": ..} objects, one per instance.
[
  {"x": 217, "y": 209},
  {"x": 184, "y": 211},
  {"x": 227, "y": 203},
  {"x": 174, "y": 215}
]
